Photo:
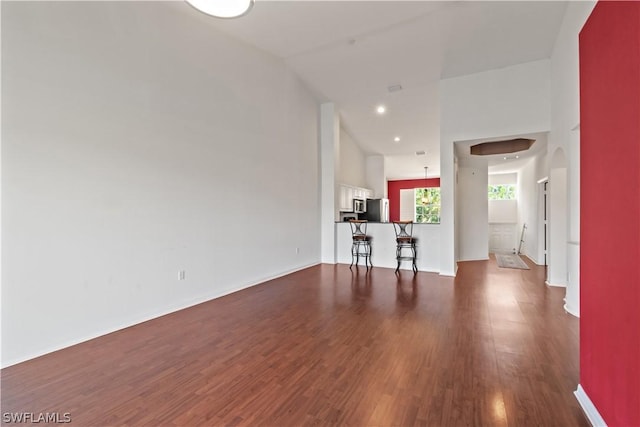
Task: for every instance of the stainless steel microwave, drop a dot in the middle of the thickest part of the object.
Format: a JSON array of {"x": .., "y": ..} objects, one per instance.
[{"x": 358, "y": 206}]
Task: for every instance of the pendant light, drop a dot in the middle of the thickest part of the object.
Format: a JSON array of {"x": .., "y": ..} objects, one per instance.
[
  {"x": 425, "y": 194},
  {"x": 223, "y": 8}
]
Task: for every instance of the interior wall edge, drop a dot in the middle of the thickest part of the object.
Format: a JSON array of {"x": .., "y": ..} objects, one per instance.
[{"x": 589, "y": 409}]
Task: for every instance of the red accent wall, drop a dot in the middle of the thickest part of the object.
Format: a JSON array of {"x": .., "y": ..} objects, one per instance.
[
  {"x": 393, "y": 191},
  {"x": 610, "y": 211}
]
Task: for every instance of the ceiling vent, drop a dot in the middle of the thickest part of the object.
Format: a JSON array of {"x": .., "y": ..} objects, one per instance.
[
  {"x": 502, "y": 147},
  {"x": 394, "y": 88},
  {"x": 420, "y": 153}
]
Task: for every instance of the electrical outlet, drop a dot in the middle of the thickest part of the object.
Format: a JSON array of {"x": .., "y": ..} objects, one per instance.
[{"x": 181, "y": 275}]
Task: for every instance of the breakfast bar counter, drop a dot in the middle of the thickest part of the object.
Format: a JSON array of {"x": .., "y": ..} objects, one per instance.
[{"x": 383, "y": 245}]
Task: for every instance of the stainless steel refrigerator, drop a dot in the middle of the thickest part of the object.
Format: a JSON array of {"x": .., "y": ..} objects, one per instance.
[{"x": 377, "y": 210}]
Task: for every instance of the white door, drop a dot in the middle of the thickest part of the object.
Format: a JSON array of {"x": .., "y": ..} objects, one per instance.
[{"x": 502, "y": 238}]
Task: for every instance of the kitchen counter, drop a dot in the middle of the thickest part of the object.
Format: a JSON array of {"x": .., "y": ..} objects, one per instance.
[
  {"x": 378, "y": 222},
  {"x": 383, "y": 245}
]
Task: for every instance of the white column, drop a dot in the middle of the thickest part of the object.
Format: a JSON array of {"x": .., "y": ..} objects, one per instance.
[
  {"x": 557, "y": 227},
  {"x": 572, "y": 297},
  {"x": 448, "y": 265},
  {"x": 329, "y": 150}
]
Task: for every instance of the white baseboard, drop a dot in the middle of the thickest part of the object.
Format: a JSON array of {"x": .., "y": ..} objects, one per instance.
[
  {"x": 405, "y": 267},
  {"x": 151, "y": 316},
  {"x": 571, "y": 311},
  {"x": 392, "y": 266},
  {"x": 533, "y": 260},
  {"x": 589, "y": 408},
  {"x": 450, "y": 273},
  {"x": 554, "y": 285},
  {"x": 474, "y": 259}
]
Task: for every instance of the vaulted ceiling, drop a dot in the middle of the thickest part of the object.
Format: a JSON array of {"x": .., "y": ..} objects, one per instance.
[{"x": 351, "y": 52}]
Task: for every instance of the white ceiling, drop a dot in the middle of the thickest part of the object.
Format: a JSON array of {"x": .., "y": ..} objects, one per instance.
[{"x": 349, "y": 52}]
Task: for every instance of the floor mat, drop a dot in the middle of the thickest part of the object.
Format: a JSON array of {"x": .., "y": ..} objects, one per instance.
[{"x": 511, "y": 261}]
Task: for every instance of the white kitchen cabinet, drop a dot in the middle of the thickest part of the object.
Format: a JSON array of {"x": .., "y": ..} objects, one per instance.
[
  {"x": 343, "y": 199},
  {"x": 346, "y": 198},
  {"x": 358, "y": 193},
  {"x": 348, "y": 193},
  {"x": 351, "y": 194}
]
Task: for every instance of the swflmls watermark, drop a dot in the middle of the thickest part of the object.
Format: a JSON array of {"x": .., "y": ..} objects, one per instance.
[{"x": 36, "y": 417}]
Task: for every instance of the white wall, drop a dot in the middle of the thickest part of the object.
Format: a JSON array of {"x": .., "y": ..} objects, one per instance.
[
  {"x": 503, "y": 178},
  {"x": 473, "y": 206},
  {"x": 137, "y": 142},
  {"x": 530, "y": 209},
  {"x": 527, "y": 209},
  {"x": 565, "y": 89},
  {"x": 353, "y": 168},
  {"x": 503, "y": 211},
  {"x": 456, "y": 230},
  {"x": 542, "y": 174},
  {"x": 557, "y": 196},
  {"x": 410, "y": 166},
  {"x": 376, "y": 176},
  {"x": 449, "y": 217},
  {"x": 573, "y": 227},
  {"x": 508, "y": 101},
  {"x": 565, "y": 120},
  {"x": 408, "y": 205},
  {"x": 329, "y": 165}
]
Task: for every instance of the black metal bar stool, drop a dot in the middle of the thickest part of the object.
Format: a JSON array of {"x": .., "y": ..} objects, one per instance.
[
  {"x": 405, "y": 242},
  {"x": 361, "y": 243}
]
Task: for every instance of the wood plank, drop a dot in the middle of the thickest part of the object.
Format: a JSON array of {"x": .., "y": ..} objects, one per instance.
[{"x": 327, "y": 345}]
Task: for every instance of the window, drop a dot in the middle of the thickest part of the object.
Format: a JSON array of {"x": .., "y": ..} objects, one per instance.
[
  {"x": 427, "y": 205},
  {"x": 502, "y": 192}
]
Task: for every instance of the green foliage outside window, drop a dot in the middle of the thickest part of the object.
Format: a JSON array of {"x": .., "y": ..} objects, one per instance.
[
  {"x": 502, "y": 192},
  {"x": 428, "y": 212}
]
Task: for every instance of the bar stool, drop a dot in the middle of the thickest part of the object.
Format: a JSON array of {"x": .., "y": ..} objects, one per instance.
[
  {"x": 361, "y": 243},
  {"x": 405, "y": 242}
]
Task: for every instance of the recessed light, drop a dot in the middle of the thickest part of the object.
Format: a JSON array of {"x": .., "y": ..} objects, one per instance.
[
  {"x": 381, "y": 109},
  {"x": 396, "y": 139},
  {"x": 505, "y": 158},
  {"x": 517, "y": 157}
]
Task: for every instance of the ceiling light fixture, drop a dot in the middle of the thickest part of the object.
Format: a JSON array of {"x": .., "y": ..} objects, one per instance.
[
  {"x": 223, "y": 8},
  {"x": 381, "y": 109},
  {"x": 501, "y": 147},
  {"x": 396, "y": 139},
  {"x": 425, "y": 193}
]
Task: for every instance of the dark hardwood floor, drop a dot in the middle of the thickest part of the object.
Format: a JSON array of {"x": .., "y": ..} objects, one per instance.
[{"x": 329, "y": 346}]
